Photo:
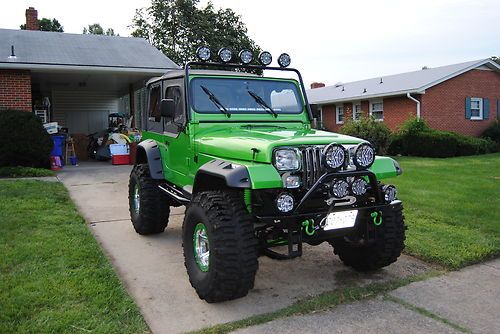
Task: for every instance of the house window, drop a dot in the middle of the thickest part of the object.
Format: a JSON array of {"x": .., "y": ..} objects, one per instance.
[
  {"x": 357, "y": 114},
  {"x": 340, "y": 115},
  {"x": 377, "y": 110},
  {"x": 476, "y": 108}
]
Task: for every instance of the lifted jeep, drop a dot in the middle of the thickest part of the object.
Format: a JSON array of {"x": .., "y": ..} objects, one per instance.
[{"x": 238, "y": 151}]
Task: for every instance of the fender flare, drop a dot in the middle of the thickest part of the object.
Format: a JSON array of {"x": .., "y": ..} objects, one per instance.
[
  {"x": 218, "y": 174},
  {"x": 149, "y": 152}
]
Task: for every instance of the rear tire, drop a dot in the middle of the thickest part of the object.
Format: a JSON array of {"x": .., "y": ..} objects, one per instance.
[
  {"x": 148, "y": 206},
  {"x": 220, "y": 220},
  {"x": 388, "y": 245}
]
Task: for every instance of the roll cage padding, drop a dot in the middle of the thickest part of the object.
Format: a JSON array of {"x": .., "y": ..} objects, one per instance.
[
  {"x": 149, "y": 152},
  {"x": 218, "y": 174}
]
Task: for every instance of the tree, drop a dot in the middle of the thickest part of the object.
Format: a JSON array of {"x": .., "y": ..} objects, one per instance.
[
  {"x": 97, "y": 29},
  {"x": 47, "y": 25},
  {"x": 179, "y": 27}
]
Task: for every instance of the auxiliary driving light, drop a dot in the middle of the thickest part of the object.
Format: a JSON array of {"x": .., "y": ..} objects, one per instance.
[
  {"x": 334, "y": 156},
  {"x": 359, "y": 186},
  {"x": 340, "y": 188},
  {"x": 246, "y": 56},
  {"x": 225, "y": 55},
  {"x": 284, "y": 60},
  {"x": 390, "y": 193},
  {"x": 265, "y": 58},
  {"x": 284, "y": 202},
  {"x": 364, "y": 156},
  {"x": 203, "y": 53}
]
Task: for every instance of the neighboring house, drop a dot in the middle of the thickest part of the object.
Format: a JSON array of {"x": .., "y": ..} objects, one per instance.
[
  {"x": 463, "y": 98},
  {"x": 77, "y": 79}
]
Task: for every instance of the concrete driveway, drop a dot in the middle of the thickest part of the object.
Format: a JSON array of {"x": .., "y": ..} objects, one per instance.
[{"x": 152, "y": 267}]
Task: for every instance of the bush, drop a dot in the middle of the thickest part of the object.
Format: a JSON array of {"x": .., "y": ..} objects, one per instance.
[
  {"x": 416, "y": 139},
  {"x": 493, "y": 133},
  {"x": 23, "y": 140},
  {"x": 371, "y": 130}
]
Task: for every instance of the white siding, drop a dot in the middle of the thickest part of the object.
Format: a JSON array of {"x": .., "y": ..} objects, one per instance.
[{"x": 83, "y": 111}]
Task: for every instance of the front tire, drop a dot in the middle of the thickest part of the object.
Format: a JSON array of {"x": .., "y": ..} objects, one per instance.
[
  {"x": 387, "y": 247},
  {"x": 148, "y": 206},
  {"x": 220, "y": 247}
]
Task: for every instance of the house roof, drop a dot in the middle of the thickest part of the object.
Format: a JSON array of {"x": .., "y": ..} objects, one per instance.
[
  {"x": 41, "y": 49},
  {"x": 398, "y": 84}
]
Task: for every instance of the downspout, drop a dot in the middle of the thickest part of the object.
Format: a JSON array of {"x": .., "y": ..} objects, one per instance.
[{"x": 417, "y": 102}]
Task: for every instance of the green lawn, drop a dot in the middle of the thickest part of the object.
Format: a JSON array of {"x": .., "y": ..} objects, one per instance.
[
  {"x": 53, "y": 275},
  {"x": 25, "y": 172},
  {"x": 452, "y": 208}
]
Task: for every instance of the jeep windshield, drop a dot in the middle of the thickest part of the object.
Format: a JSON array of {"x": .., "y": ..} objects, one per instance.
[{"x": 245, "y": 96}]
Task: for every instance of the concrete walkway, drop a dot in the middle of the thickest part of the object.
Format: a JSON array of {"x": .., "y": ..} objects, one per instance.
[
  {"x": 152, "y": 267},
  {"x": 463, "y": 301}
]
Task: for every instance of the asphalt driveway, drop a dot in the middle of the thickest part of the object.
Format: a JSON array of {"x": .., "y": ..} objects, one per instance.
[{"x": 152, "y": 267}]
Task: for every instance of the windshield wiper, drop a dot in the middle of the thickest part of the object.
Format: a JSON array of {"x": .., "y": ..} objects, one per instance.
[
  {"x": 263, "y": 103},
  {"x": 216, "y": 101}
]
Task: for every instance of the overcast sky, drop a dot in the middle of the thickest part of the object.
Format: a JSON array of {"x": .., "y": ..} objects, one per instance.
[{"x": 329, "y": 41}]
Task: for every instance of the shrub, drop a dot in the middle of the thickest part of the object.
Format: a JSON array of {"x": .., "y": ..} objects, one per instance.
[
  {"x": 371, "y": 130},
  {"x": 23, "y": 140},
  {"x": 417, "y": 139},
  {"x": 493, "y": 133}
]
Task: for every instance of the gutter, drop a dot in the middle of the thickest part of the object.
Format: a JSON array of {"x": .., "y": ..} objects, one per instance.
[{"x": 408, "y": 95}]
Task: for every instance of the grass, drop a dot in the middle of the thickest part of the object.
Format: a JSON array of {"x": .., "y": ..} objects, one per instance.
[
  {"x": 53, "y": 275},
  {"x": 451, "y": 208},
  {"x": 322, "y": 302},
  {"x": 24, "y": 172}
]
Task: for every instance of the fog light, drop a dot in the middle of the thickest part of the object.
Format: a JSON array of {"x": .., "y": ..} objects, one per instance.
[
  {"x": 246, "y": 56},
  {"x": 390, "y": 193},
  {"x": 284, "y": 202},
  {"x": 225, "y": 55},
  {"x": 340, "y": 188},
  {"x": 291, "y": 181},
  {"x": 359, "y": 186}
]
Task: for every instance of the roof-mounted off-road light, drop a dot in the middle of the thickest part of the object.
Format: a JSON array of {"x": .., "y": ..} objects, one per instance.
[
  {"x": 225, "y": 55},
  {"x": 284, "y": 60},
  {"x": 203, "y": 53},
  {"x": 246, "y": 56},
  {"x": 265, "y": 58}
]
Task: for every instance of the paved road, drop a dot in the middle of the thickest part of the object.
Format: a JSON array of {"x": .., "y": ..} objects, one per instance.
[{"x": 152, "y": 267}]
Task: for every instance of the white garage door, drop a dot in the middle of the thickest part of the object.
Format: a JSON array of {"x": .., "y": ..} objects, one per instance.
[{"x": 83, "y": 111}]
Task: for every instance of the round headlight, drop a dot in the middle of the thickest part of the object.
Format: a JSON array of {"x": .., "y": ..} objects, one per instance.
[
  {"x": 246, "y": 56},
  {"x": 284, "y": 60},
  {"x": 225, "y": 55},
  {"x": 340, "y": 188},
  {"x": 286, "y": 159},
  {"x": 359, "y": 186},
  {"x": 364, "y": 156},
  {"x": 265, "y": 58},
  {"x": 390, "y": 193},
  {"x": 334, "y": 156},
  {"x": 284, "y": 202},
  {"x": 203, "y": 53}
]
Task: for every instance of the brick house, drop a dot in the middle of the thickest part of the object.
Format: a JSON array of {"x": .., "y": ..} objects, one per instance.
[
  {"x": 463, "y": 98},
  {"x": 73, "y": 79}
]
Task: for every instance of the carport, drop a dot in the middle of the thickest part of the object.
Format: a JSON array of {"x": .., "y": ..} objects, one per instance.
[{"x": 76, "y": 80}]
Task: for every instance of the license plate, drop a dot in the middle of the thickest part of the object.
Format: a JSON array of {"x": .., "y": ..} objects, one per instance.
[{"x": 343, "y": 219}]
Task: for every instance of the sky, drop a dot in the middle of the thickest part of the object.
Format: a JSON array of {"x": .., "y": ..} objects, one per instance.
[{"x": 328, "y": 41}]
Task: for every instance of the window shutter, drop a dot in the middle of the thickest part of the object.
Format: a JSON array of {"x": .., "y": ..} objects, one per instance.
[
  {"x": 498, "y": 109},
  {"x": 486, "y": 108},
  {"x": 467, "y": 108}
]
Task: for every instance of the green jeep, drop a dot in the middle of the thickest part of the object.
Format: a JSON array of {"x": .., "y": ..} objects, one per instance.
[{"x": 238, "y": 150}]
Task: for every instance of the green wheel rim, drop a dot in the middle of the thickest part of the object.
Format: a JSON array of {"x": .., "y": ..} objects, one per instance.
[
  {"x": 201, "y": 247},
  {"x": 136, "y": 199}
]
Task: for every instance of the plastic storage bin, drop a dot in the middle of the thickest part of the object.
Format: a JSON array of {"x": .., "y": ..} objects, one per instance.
[
  {"x": 57, "y": 150},
  {"x": 118, "y": 149},
  {"x": 120, "y": 159}
]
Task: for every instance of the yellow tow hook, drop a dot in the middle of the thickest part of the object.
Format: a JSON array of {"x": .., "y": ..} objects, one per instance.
[{"x": 377, "y": 218}]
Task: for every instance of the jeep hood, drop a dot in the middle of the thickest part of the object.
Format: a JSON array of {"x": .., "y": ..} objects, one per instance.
[{"x": 239, "y": 143}]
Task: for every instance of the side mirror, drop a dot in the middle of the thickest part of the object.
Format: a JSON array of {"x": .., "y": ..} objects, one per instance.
[{"x": 167, "y": 108}]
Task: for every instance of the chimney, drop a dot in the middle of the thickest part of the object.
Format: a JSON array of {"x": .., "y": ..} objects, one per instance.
[
  {"x": 31, "y": 19},
  {"x": 317, "y": 85}
]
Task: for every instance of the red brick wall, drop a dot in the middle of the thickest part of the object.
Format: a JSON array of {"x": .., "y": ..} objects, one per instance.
[
  {"x": 15, "y": 90},
  {"x": 328, "y": 112},
  {"x": 397, "y": 110},
  {"x": 443, "y": 106}
]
